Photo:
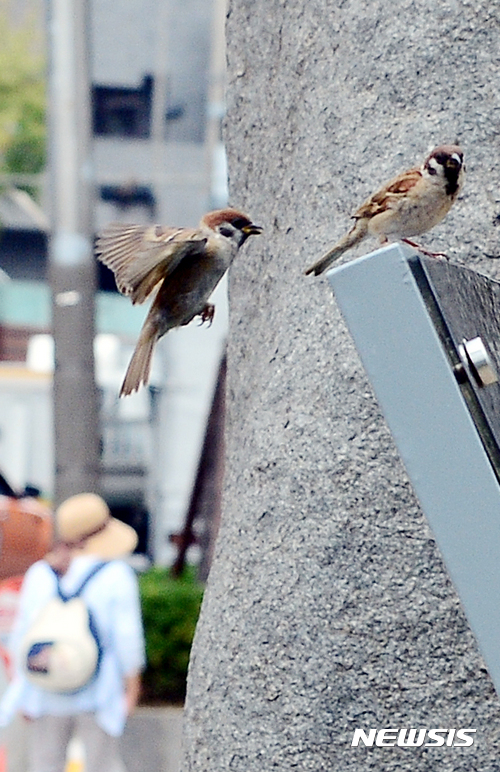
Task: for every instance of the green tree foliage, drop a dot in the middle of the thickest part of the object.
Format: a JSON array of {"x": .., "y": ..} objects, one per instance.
[
  {"x": 22, "y": 94},
  {"x": 170, "y": 609}
]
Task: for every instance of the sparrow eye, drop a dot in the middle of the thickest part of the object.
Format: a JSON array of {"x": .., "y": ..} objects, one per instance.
[
  {"x": 225, "y": 231},
  {"x": 240, "y": 222},
  {"x": 432, "y": 170}
]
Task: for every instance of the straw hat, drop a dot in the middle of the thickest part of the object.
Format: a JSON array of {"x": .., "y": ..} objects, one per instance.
[{"x": 85, "y": 523}]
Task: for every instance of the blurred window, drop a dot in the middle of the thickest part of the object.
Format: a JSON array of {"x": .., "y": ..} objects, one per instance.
[{"x": 123, "y": 112}]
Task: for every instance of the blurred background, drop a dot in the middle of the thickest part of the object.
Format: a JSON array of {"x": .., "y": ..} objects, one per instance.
[
  {"x": 147, "y": 142},
  {"x": 156, "y": 90}
]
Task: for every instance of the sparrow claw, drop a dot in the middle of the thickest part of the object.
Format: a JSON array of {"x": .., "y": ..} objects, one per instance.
[
  {"x": 207, "y": 315},
  {"x": 425, "y": 251}
]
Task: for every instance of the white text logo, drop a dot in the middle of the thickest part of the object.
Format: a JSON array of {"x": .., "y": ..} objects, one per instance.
[{"x": 414, "y": 738}]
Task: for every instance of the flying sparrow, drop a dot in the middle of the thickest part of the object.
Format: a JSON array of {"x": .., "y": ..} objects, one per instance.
[
  {"x": 408, "y": 205},
  {"x": 180, "y": 266}
]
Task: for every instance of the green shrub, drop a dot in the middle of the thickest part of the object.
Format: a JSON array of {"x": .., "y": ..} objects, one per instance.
[{"x": 170, "y": 609}]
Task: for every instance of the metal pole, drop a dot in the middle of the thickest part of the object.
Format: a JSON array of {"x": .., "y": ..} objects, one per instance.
[
  {"x": 72, "y": 266},
  {"x": 160, "y": 100},
  {"x": 214, "y": 149}
]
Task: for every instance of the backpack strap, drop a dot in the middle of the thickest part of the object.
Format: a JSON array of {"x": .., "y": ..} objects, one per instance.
[{"x": 94, "y": 570}]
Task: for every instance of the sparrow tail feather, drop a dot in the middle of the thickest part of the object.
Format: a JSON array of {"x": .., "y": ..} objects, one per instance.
[
  {"x": 355, "y": 235},
  {"x": 139, "y": 367}
]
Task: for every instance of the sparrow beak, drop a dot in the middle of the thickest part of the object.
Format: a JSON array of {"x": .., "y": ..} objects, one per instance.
[{"x": 252, "y": 230}]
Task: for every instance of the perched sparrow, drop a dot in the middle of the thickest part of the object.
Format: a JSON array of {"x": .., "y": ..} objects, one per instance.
[
  {"x": 181, "y": 266},
  {"x": 408, "y": 205}
]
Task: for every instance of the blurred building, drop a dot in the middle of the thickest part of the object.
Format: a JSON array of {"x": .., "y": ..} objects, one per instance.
[{"x": 157, "y": 100}]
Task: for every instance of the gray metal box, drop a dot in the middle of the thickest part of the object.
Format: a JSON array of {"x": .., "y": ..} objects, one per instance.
[{"x": 410, "y": 318}]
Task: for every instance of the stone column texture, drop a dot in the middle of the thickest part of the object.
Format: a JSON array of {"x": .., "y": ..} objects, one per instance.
[{"x": 328, "y": 607}]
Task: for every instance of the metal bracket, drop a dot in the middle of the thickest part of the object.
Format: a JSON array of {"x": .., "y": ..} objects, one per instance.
[{"x": 428, "y": 334}]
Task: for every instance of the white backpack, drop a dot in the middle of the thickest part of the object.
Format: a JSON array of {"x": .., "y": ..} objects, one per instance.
[{"x": 61, "y": 651}]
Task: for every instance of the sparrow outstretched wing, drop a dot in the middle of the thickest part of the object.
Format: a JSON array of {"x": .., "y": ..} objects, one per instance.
[{"x": 143, "y": 256}]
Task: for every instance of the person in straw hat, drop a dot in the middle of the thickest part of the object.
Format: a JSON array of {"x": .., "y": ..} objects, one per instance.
[{"x": 89, "y": 545}]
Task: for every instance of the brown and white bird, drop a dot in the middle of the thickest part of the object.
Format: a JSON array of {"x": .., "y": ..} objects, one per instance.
[
  {"x": 180, "y": 266},
  {"x": 406, "y": 206}
]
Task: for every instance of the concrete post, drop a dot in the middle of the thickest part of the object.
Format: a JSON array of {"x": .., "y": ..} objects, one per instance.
[
  {"x": 72, "y": 264},
  {"x": 328, "y": 608}
]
